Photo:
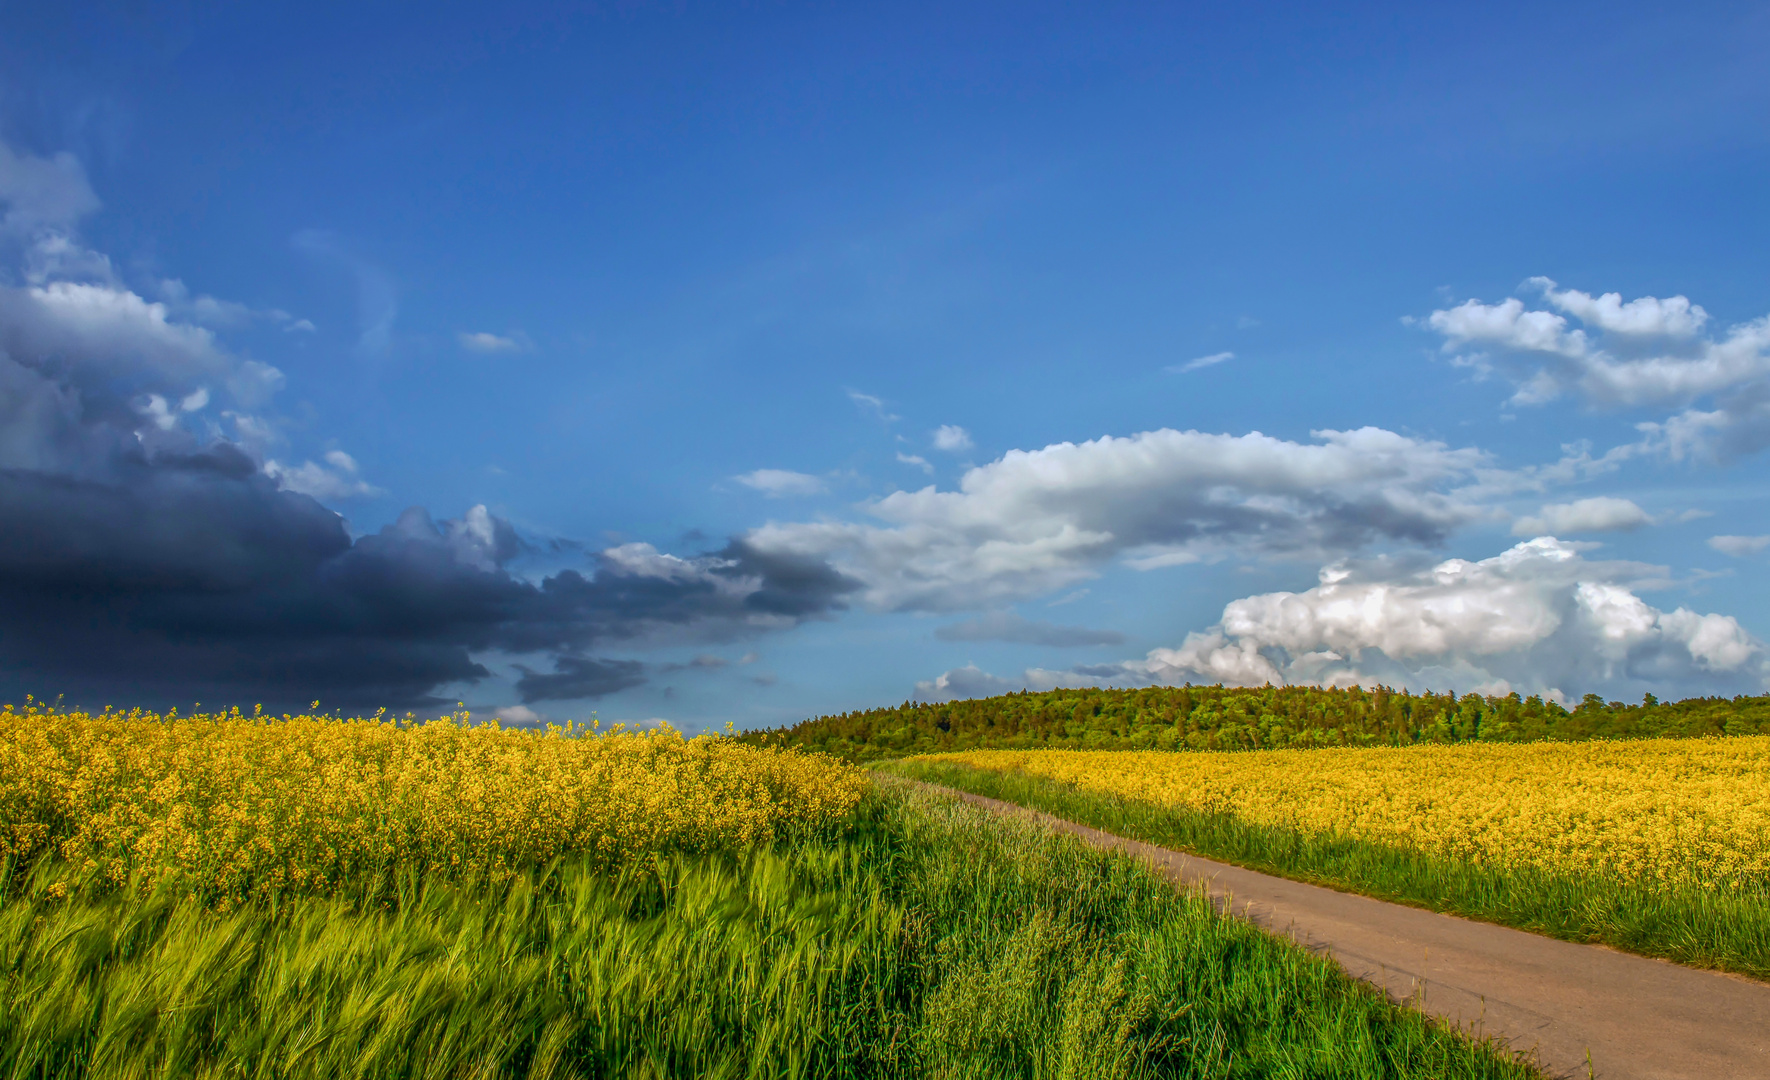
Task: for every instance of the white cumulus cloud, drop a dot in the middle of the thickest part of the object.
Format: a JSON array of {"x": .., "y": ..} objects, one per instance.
[
  {"x": 43, "y": 192},
  {"x": 916, "y": 460},
  {"x": 952, "y": 438},
  {"x": 1649, "y": 351},
  {"x": 334, "y": 477},
  {"x": 106, "y": 329},
  {"x": 83, "y": 362},
  {"x": 1035, "y": 521},
  {"x": 1739, "y": 546},
  {"x": 969, "y": 681},
  {"x": 520, "y": 716},
  {"x": 1539, "y": 617},
  {"x": 1646, "y": 316},
  {"x": 481, "y": 341},
  {"x": 1508, "y": 325},
  {"x": 1601, "y": 514},
  {"x": 780, "y": 483}
]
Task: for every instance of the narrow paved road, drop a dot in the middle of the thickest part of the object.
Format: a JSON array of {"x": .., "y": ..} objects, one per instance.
[{"x": 1636, "y": 1018}]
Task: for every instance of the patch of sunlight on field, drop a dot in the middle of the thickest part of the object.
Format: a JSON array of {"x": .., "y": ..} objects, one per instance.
[{"x": 1677, "y": 811}]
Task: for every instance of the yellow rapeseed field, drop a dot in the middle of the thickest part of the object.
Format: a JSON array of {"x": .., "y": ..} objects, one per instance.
[
  {"x": 236, "y": 806},
  {"x": 1671, "y": 810}
]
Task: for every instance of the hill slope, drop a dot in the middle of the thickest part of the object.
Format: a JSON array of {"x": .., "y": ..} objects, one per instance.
[{"x": 1232, "y": 718}]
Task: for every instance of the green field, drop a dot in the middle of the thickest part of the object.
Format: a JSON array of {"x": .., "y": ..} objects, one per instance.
[
  {"x": 235, "y": 895},
  {"x": 920, "y": 938},
  {"x": 1727, "y": 929}
]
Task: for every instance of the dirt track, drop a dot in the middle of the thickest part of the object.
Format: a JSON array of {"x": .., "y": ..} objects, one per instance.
[{"x": 1638, "y": 1019}]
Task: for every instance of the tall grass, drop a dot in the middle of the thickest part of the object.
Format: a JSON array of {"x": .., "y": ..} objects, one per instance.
[
  {"x": 1724, "y": 929},
  {"x": 925, "y": 939}
]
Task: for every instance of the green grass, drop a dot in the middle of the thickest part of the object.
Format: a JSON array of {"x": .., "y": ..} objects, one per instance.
[
  {"x": 1721, "y": 929},
  {"x": 927, "y": 940}
]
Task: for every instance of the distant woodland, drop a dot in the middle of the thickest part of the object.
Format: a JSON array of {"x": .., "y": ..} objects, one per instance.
[{"x": 1227, "y": 718}]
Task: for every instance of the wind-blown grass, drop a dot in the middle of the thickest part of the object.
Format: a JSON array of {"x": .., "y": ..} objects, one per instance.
[
  {"x": 921, "y": 938},
  {"x": 1672, "y": 916}
]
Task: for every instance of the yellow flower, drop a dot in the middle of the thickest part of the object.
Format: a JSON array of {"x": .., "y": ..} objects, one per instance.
[
  {"x": 1671, "y": 810},
  {"x": 245, "y": 805}
]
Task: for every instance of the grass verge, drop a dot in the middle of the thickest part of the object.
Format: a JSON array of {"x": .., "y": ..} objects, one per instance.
[
  {"x": 927, "y": 939},
  {"x": 1722, "y": 929}
]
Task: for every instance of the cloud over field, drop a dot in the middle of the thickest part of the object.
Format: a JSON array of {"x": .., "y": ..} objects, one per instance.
[
  {"x": 1035, "y": 521},
  {"x": 969, "y": 681},
  {"x": 1645, "y": 352},
  {"x": 196, "y": 575},
  {"x": 167, "y": 538},
  {"x": 156, "y": 551},
  {"x": 1538, "y": 618}
]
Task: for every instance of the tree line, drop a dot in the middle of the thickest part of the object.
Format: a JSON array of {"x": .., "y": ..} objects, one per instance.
[{"x": 1235, "y": 718}]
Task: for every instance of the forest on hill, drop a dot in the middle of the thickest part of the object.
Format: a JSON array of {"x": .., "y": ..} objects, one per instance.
[{"x": 1234, "y": 718}]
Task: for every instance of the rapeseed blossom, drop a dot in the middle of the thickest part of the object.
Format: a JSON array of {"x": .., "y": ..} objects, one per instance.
[
  {"x": 235, "y": 806},
  {"x": 1677, "y": 811}
]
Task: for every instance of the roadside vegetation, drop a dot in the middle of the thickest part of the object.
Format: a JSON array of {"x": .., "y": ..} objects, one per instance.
[
  {"x": 1659, "y": 846},
  {"x": 1269, "y": 717},
  {"x": 315, "y": 897}
]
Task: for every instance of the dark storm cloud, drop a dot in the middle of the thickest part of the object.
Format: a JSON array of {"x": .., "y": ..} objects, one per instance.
[
  {"x": 577, "y": 677},
  {"x": 158, "y": 576},
  {"x": 198, "y": 579},
  {"x": 152, "y": 552},
  {"x": 795, "y": 586}
]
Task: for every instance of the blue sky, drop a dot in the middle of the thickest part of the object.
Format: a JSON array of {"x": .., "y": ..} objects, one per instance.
[{"x": 676, "y": 300}]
